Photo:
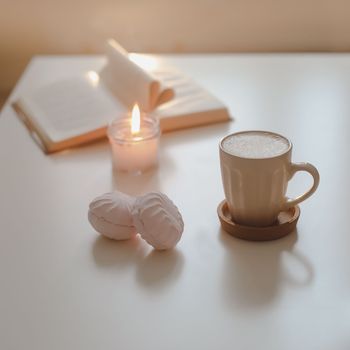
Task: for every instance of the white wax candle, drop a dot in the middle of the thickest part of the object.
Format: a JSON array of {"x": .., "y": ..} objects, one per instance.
[{"x": 134, "y": 152}]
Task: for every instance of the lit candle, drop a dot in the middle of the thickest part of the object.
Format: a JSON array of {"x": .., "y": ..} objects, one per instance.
[{"x": 134, "y": 142}]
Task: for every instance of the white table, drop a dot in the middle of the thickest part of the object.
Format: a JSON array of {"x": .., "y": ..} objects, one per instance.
[{"x": 64, "y": 287}]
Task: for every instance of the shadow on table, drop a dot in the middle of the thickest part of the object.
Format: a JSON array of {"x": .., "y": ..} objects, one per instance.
[
  {"x": 137, "y": 184},
  {"x": 254, "y": 272},
  {"x": 154, "y": 269},
  {"x": 117, "y": 254},
  {"x": 160, "y": 268}
]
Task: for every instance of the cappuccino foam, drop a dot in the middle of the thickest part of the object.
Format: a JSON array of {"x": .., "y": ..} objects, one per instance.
[{"x": 255, "y": 145}]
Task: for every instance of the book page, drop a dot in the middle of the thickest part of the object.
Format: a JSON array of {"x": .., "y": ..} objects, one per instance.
[
  {"x": 189, "y": 97},
  {"x": 130, "y": 82},
  {"x": 72, "y": 107}
]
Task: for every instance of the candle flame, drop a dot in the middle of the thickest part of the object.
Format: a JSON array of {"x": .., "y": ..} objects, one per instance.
[{"x": 135, "y": 120}]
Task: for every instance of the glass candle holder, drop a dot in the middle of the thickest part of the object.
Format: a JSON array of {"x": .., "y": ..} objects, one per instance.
[{"x": 134, "y": 152}]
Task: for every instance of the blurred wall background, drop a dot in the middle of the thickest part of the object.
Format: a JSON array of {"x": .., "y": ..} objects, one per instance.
[{"x": 29, "y": 27}]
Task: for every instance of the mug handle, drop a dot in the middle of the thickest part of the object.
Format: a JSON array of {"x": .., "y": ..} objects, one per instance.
[{"x": 313, "y": 172}]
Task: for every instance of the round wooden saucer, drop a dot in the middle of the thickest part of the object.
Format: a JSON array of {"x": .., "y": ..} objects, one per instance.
[{"x": 285, "y": 224}]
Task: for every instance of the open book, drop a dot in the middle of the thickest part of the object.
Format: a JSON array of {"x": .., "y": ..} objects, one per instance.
[{"x": 73, "y": 111}]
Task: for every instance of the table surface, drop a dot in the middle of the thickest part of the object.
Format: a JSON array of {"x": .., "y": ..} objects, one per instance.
[{"x": 65, "y": 287}]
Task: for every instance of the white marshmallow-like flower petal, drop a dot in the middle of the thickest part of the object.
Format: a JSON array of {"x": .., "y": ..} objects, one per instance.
[
  {"x": 158, "y": 220},
  {"x": 110, "y": 215}
]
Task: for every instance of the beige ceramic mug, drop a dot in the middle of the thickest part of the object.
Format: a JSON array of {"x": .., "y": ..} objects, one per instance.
[{"x": 256, "y": 167}]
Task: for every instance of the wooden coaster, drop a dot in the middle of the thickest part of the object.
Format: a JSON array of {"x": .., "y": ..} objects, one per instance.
[{"x": 285, "y": 224}]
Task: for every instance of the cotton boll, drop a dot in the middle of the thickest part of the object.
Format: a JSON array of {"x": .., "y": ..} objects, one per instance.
[
  {"x": 158, "y": 220},
  {"x": 110, "y": 215}
]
